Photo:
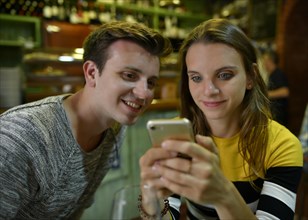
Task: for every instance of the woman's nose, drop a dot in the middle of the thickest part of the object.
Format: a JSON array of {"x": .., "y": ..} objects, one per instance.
[{"x": 210, "y": 88}]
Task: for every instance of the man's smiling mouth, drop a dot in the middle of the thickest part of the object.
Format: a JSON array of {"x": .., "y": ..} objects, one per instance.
[{"x": 132, "y": 104}]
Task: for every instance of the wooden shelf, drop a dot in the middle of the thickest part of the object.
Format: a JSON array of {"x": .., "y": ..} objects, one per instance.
[
  {"x": 164, "y": 104},
  {"x": 35, "y": 80}
]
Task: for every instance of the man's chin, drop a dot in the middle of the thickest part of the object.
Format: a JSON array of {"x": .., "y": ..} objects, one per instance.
[{"x": 129, "y": 120}]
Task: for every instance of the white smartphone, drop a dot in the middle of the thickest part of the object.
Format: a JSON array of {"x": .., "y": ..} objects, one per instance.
[{"x": 162, "y": 129}]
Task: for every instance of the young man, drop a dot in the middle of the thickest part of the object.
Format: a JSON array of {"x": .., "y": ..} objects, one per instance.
[{"x": 55, "y": 152}]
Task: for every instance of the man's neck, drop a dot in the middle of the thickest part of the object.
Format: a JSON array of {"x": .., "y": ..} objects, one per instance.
[{"x": 85, "y": 129}]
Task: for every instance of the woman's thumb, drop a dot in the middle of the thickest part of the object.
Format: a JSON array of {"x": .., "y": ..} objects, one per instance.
[{"x": 207, "y": 142}]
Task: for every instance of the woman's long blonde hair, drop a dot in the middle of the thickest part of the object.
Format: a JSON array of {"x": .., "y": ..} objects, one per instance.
[{"x": 253, "y": 134}]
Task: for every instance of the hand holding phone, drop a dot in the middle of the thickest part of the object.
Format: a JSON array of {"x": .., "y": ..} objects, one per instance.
[{"x": 163, "y": 129}]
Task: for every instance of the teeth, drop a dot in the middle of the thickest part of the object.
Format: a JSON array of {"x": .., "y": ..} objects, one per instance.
[{"x": 133, "y": 105}]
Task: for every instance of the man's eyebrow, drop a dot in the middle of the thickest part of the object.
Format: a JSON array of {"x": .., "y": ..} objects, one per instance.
[
  {"x": 138, "y": 71},
  {"x": 133, "y": 69}
]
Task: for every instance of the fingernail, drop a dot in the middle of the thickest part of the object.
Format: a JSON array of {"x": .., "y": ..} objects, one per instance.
[{"x": 154, "y": 167}]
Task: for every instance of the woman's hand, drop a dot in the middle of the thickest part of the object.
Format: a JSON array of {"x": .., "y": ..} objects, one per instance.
[
  {"x": 199, "y": 179},
  {"x": 148, "y": 175}
]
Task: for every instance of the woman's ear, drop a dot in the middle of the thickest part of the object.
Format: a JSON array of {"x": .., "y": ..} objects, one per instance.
[
  {"x": 249, "y": 83},
  {"x": 90, "y": 70}
]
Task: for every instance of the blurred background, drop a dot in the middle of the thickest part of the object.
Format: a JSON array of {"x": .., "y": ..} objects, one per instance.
[{"x": 41, "y": 55}]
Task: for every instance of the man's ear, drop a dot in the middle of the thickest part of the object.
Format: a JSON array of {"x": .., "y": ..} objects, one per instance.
[{"x": 90, "y": 70}]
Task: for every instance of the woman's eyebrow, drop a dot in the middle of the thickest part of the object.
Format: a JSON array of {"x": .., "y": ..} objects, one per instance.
[
  {"x": 217, "y": 70},
  {"x": 226, "y": 68},
  {"x": 192, "y": 71}
]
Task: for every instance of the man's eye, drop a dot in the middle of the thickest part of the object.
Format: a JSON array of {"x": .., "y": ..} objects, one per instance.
[
  {"x": 129, "y": 76},
  {"x": 225, "y": 76},
  {"x": 152, "y": 83}
]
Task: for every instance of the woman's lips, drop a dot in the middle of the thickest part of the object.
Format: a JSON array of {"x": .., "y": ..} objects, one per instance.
[{"x": 212, "y": 104}]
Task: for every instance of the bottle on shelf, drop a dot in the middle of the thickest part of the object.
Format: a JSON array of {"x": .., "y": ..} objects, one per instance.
[
  {"x": 67, "y": 10},
  {"x": 62, "y": 15},
  {"x": 47, "y": 10},
  {"x": 93, "y": 13},
  {"x": 85, "y": 12},
  {"x": 79, "y": 11},
  {"x": 54, "y": 10},
  {"x": 104, "y": 15}
]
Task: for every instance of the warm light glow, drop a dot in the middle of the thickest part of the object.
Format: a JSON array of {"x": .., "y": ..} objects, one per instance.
[
  {"x": 77, "y": 56},
  {"x": 154, "y": 101},
  {"x": 66, "y": 58},
  {"x": 79, "y": 50}
]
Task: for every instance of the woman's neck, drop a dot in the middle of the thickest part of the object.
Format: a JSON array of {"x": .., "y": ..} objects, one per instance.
[{"x": 224, "y": 129}]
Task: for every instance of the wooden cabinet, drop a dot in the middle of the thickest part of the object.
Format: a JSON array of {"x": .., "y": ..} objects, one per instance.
[
  {"x": 64, "y": 35},
  {"x": 47, "y": 73}
]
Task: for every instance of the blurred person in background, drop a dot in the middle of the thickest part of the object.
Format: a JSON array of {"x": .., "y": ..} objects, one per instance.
[
  {"x": 278, "y": 90},
  {"x": 303, "y": 137}
]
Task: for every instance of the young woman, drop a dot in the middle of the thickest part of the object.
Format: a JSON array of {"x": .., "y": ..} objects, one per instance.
[{"x": 244, "y": 165}]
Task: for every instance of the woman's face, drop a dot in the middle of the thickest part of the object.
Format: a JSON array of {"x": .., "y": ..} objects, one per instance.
[{"x": 217, "y": 81}]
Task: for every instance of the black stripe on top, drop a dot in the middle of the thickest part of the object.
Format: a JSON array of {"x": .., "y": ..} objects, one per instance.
[
  {"x": 206, "y": 210},
  {"x": 249, "y": 192},
  {"x": 208, "y": 217},
  {"x": 287, "y": 177},
  {"x": 174, "y": 212},
  {"x": 275, "y": 207}
]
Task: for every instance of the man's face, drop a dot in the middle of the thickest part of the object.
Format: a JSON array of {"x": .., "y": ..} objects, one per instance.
[{"x": 125, "y": 87}]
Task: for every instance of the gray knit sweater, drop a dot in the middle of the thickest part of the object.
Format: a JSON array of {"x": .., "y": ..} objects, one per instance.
[{"x": 44, "y": 174}]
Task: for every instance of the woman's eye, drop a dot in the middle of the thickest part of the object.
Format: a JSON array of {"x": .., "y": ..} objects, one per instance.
[
  {"x": 196, "y": 78},
  {"x": 225, "y": 76}
]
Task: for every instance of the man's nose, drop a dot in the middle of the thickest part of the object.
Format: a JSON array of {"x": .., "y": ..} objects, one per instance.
[{"x": 142, "y": 91}]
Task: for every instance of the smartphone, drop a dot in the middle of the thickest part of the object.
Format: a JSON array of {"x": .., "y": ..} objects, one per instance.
[{"x": 162, "y": 129}]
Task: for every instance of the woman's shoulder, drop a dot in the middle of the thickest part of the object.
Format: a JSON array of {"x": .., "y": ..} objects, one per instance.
[
  {"x": 277, "y": 130},
  {"x": 284, "y": 148}
]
